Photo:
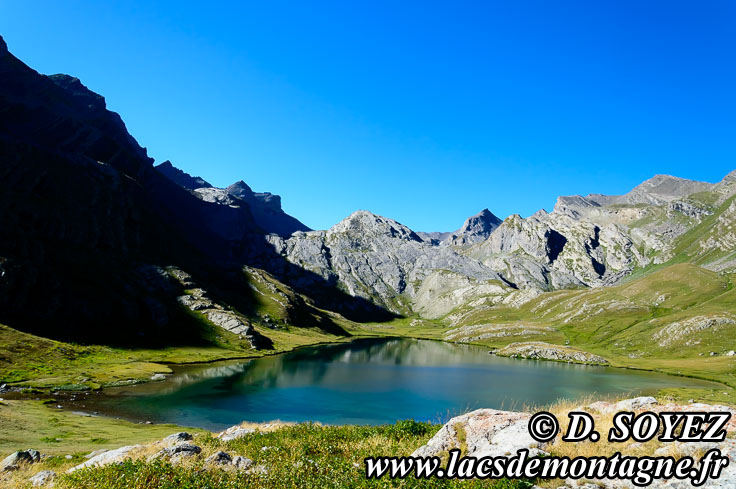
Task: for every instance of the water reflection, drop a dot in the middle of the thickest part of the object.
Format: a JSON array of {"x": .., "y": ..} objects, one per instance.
[{"x": 369, "y": 381}]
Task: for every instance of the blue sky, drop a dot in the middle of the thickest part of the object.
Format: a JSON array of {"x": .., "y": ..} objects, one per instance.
[{"x": 425, "y": 112}]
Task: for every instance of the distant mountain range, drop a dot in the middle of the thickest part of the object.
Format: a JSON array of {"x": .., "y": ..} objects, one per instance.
[{"x": 98, "y": 244}]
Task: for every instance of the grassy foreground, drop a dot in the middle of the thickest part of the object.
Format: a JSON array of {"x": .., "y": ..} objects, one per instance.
[
  {"x": 295, "y": 456},
  {"x": 284, "y": 456}
]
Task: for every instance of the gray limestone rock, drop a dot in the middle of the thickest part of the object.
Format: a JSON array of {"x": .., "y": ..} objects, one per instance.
[
  {"x": 376, "y": 258},
  {"x": 484, "y": 433},
  {"x": 219, "y": 458},
  {"x": 108, "y": 457},
  {"x": 177, "y": 451},
  {"x": 177, "y": 438},
  {"x": 43, "y": 478},
  {"x": 16, "y": 459}
]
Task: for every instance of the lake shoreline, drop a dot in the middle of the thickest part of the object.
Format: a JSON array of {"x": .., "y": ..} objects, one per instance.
[
  {"x": 451, "y": 385},
  {"x": 13, "y": 391}
]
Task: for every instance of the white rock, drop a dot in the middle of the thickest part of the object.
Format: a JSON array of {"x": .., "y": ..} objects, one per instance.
[
  {"x": 42, "y": 478},
  {"x": 178, "y": 451},
  {"x": 177, "y": 437},
  {"x": 14, "y": 460},
  {"x": 95, "y": 453},
  {"x": 109, "y": 457},
  {"x": 635, "y": 404},
  {"x": 234, "y": 432},
  {"x": 488, "y": 432}
]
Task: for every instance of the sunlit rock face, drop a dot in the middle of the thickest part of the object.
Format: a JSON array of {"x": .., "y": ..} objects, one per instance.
[{"x": 590, "y": 241}]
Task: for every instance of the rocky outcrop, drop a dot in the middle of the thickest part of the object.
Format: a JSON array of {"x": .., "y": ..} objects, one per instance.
[
  {"x": 22, "y": 457},
  {"x": 182, "y": 436},
  {"x": 267, "y": 211},
  {"x": 224, "y": 459},
  {"x": 199, "y": 302},
  {"x": 219, "y": 458},
  {"x": 107, "y": 458},
  {"x": 596, "y": 240},
  {"x": 689, "y": 331},
  {"x": 483, "y": 433},
  {"x": 174, "y": 448},
  {"x": 475, "y": 229},
  {"x": 235, "y": 432},
  {"x": 264, "y": 207},
  {"x": 488, "y": 432},
  {"x": 43, "y": 478},
  {"x": 177, "y": 452},
  {"x": 538, "y": 350}
]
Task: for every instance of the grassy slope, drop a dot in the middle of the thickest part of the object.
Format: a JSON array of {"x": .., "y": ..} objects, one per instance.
[
  {"x": 40, "y": 425},
  {"x": 631, "y": 324},
  {"x": 32, "y": 361},
  {"x": 274, "y": 309}
]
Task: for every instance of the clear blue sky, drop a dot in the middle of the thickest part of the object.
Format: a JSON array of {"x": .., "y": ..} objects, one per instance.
[{"x": 425, "y": 112}]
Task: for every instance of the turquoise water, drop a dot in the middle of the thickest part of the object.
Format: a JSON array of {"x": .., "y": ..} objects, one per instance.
[{"x": 369, "y": 382}]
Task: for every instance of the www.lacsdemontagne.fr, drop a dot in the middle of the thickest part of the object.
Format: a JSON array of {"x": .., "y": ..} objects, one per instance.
[{"x": 641, "y": 471}]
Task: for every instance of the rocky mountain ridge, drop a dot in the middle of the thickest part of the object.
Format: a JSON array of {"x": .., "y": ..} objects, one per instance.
[
  {"x": 264, "y": 207},
  {"x": 588, "y": 241},
  {"x": 180, "y": 177},
  {"x": 379, "y": 259}
]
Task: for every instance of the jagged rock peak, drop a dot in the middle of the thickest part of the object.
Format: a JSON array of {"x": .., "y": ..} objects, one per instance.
[
  {"x": 180, "y": 177},
  {"x": 239, "y": 189},
  {"x": 266, "y": 200},
  {"x": 3, "y": 47},
  {"x": 475, "y": 229},
  {"x": 482, "y": 223},
  {"x": 365, "y": 222}
]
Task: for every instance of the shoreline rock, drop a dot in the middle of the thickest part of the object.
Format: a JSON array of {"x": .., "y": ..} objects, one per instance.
[
  {"x": 537, "y": 350},
  {"x": 489, "y": 432},
  {"x": 483, "y": 433}
]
